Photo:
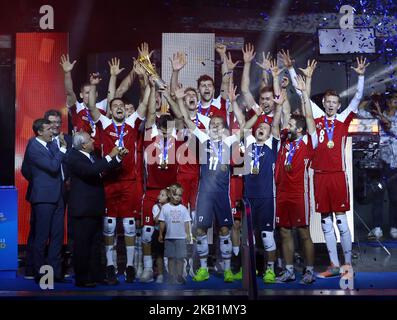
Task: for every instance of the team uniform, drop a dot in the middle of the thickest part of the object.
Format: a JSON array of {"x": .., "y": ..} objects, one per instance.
[
  {"x": 292, "y": 181},
  {"x": 262, "y": 118},
  {"x": 81, "y": 117},
  {"x": 120, "y": 184},
  {"x": 217, "y": 108},
  {"x": 159, "y": 176}
]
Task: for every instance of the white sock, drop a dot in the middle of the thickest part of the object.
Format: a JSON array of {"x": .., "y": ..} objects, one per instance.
[
  {"x": 147, "y": 262},
  {"x": 270, "y": 265},
  {"x": 130, "y": 250},
  {"x": 290, "y": 268},
  {"x": 236, "y": 250},
  {"x": 226, "y": 264},
  {"x": 310, "y": 268},
  {"x": 330, "y": 239},
  {"x": 203, "y": 263},
  {"x": 109, "y": 256},
  {"x": 345, "y": 237}
]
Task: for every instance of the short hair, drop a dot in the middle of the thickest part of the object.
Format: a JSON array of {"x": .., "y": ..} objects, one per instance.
[
  {"x": 52, "y": 112},
  {"x": 329, "y": 92},
  {"x": 204, "y": 77},
  {"x": 266, "y": 89},
  {"x": 164, "y": 119},
  {"x": 114, "y": 99},
  {"x": 38, "y": 125},
  {"x": 300, "y": 121},
  {"x": 173, "y": 188},
  {"x": 79, "y": 139},
  {"x": 223, "y": 121},
  {"x": 191, "y": 89},
  {"x": 85, "y": 84}
]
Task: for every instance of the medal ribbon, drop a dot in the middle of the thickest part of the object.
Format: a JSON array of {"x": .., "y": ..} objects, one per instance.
[
  {"x": 330, "y": 131},
  {"x": 164, "y": 147},
  {"x": 88, "y": 114},
  {"x": 256, "y": 157},
  {"x": 120, "y": 135},
  {"x": 217, "y": 151},
  {"x": 292, "y": 150},
  {"x": 200, "y": 106}
]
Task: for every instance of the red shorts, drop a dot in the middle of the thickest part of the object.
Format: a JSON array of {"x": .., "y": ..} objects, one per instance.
[
  {"x": 236, "y": 195},
  {"x": 189, "y": 183},
  {"x": 121, "y": 199},
  {"x": 292, "y": 210},
  {"x": 331, "y": 192},
  {"x": 149, "y": 200}
]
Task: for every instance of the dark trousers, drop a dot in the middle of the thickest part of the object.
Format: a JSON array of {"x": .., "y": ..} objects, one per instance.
[
  {"x": 48, "y": 229},
  {"x": 29, "y": 260},
  {"x": 87, "y": 243}
]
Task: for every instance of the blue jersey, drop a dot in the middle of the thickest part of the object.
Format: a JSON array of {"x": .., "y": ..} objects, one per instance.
[
  {"x": 259, "y": 168},
  {"x": 214, "y": 162}
]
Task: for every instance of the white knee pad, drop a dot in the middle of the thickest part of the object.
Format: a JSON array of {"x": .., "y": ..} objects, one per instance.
[
  {"x": 268, "y": 240},
  {"x": 202, "y": 245},
  {"x": 147, "y": 232},
  {"x": 225, "y": 244},
  {"x": 327, "y": 225},
  {"x": 109, "y": 226},
  {"x": 129, "y": 227}
]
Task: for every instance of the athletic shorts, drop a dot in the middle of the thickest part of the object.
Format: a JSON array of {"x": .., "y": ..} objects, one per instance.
[
  {"x": 175, "y": 248},
  {"x": 331, "y": 192},
  {"x": 292, "y": 210},
  {"x": 262, "y": 213},
  {"x": 212, "y": 205},
  {"x": 236, "y": 196},
  {"x": 149, "y": 200},
  {"x": 121, "y": 199},
  {"x": 189, "y": 183}
]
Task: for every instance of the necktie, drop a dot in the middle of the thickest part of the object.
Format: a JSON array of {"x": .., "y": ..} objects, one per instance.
[{"x": 92, "y": 158}]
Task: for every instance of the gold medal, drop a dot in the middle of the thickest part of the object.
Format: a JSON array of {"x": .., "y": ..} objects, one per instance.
[
  {"x": 255, "y": 170},
  {"x": 163, "y": 165},
  {"x": 330, "y": 144},
  {"x": 288, "y": 167}
]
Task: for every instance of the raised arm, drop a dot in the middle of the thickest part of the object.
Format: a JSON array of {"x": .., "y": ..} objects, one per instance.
[
  {"x": 275, "y": 73},
  {"x": 265, "y": 66},
  {"x": 306, "y": 106},
  {"x": 248, "y": 55},
  {"x": 151, "y": 110},
  {"x": 279, "y": 101},
  {"x": 178, "y": 61},
  {"x": 94, "y": 80},
  {"x": 235, "y": 107},
  {"x": 308, "y": 72},
  {"x": 114, "y": 66},
  {"x": 173, "y": 105},
  {"x": 360, "y": 70},
  {"x": 144, "y": 102},
  {"x": 67, "y": 69},
  {"x": 180, "y": 94},
  {"x": 221, "y": 50}
]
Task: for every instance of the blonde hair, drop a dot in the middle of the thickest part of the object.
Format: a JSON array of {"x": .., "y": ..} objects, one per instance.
[{"x": 171, "y": 190}]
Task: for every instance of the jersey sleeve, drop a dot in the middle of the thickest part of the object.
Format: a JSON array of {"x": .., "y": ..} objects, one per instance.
[
  {"x": 353, "y": 105},
  {"x": 134, "y": 120},
  {"x": 104, "y": 121},
  {"x": 202, "y": 136},
  {"x": 102, "y": 105}
]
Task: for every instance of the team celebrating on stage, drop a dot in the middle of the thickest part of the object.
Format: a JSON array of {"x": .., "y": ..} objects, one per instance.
[{"x": 170, "y": 176}]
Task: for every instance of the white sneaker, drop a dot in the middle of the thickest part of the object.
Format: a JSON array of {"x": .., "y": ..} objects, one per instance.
[
  {"x": 375, "y": 233},
  {"x": 184, "y": 275},
  {"x": 139, "y": 270},
  {"x": 160, "y": 278},
  {"x": 147, "y": 275},
  {"x": 393, "y": 233}
]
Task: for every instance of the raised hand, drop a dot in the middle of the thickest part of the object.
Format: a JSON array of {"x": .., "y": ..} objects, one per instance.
[
  {"x": 139, "y": 71},
  {"x": 300, "y": 83},
  {"x": 178, "y": 61},
  {"x": 65, "y": 63},
  {"x": 180, "y": 92},
  {"x": 361, "y": 66},
  {"x": 279, "y": 100},
  {"x": 248, "y": 53},
  {"x": 229, "y": 62},
  {"x": 221, "y": 49},
  {"x": 114, "y": 65},
  {"x": 95, "y": 78},
  {"x": 311, "y": 66},
  {"x": 275, "y": 69},
  {"x": 143, "y": 50},
  {"x": 265, "y": 65},
  {"x": 288, "y": 62},
  {"x": 232, "y": 92}
]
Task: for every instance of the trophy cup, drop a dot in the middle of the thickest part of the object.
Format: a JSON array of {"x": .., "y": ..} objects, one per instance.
[{"x": 144, "y": 62}]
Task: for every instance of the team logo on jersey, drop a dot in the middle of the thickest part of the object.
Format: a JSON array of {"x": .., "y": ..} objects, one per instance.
[
  {"x": 114, "y": 134},
  {"x": 319, "y": 125}
]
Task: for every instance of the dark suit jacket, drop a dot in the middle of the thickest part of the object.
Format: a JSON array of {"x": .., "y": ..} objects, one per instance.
[
  {"x": 87, "y": 195},
  {"x": 43, "y": 170}
]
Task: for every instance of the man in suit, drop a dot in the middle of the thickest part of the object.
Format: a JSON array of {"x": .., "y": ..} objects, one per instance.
[
  {"x": 43, "y": 164},
  {"x": 87, "y": 206}
]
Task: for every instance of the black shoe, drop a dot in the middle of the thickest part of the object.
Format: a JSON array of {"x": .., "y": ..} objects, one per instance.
[
  {"x": 85, "y": 284},
  {"x": 130, "y": 274},
  {"x": 111, "y": 278}
]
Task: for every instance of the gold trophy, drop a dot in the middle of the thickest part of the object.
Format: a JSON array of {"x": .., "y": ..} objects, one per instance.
[{"x": 144, "y": 62}]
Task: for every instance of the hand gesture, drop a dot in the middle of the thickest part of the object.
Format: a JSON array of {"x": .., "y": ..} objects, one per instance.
[
  {"x": 361, "y": 66},
  {"x": 230, "y": 64},
  {"x": 221, "y": 49},
  {"x": 257, "y": 109},
  {"x": 180, "y": 92},
  {"x": 143, "y": 50},
  {"x": 284, "y": 82},
  {"x": 122, "y": 153},
  {"x": 178, "y": 61},
  {"x": 279, "y": 100},
  {"x": 65, "y": 63},
  {"x": 62, "y": 140},
  {"x": 288, "y": 62},
  {"x": 115, "y": 152},
  {"x": 275, "y": 69},
  {"x": 114, "y": 65},
  {"x": 265, "y": 65},
  {"x": 248, "y": 53},
  {"x": 95, "y": 78},
  {"x": 300, "y": 83},
  {"x": 311, "y": 66},
  {"x": 232, "y": 92},
  {"x": 138, "y": 69}
]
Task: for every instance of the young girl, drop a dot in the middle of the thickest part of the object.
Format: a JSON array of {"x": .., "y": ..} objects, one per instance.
[
  {"x": 158, "y": 247},
  {"x": 175, "y": 219}
]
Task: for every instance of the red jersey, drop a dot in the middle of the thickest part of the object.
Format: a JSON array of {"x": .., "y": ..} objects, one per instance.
[
  {"x": 128, "y": 134},
  {"x": 295, "y": 180},
  {"x": 267, "y": 118},
  {"x": 217, "y": 108},
  {"x": 332, "y": 159},
  {"x": 81, "y": 117},
  {"x": 156, "y": 149}
]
